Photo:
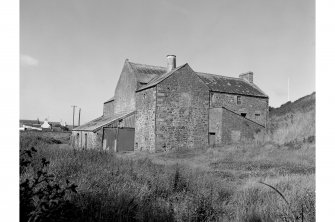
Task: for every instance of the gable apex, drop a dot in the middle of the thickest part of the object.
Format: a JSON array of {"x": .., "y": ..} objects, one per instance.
[{"x": 159, "y": 79}]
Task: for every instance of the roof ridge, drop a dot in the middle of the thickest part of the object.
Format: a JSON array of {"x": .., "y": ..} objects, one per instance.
[
  {"x": 228, "y": 77},
  {"x": 146, "y": 65}
]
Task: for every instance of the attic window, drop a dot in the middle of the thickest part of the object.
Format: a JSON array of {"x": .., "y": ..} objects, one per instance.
[
  {"x": 244, "y": 114},
  {"x": 238, "y": 100}
]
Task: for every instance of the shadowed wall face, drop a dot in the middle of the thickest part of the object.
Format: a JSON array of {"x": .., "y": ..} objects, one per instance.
[
  {"x": 230, "y": 127},
  {"x": 255, "y": 108},
  {"x": 145, "y": 120},
  {"x": 125, "y": 91},
  {"x": 182, "y": 111},
  {"x": 108, "y": 109}
]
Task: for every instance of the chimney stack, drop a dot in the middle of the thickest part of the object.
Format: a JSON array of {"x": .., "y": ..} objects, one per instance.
[
  {"x": 171, "y": 62},
  {"x": 248, "y": 76}
]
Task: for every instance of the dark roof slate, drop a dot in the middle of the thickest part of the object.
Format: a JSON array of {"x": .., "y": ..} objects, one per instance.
[
  {"x": 145, "y": 73},
  {"x": 152, "y": 75},
  {"x": 160, "y": 78},
  {"x": 232, "y": 85}
]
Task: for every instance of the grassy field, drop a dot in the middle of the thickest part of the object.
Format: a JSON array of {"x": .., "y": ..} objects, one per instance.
[{"x": 215, "y": 184}]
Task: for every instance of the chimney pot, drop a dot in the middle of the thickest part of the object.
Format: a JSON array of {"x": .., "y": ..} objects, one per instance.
[{"x": 171, "y": 62}]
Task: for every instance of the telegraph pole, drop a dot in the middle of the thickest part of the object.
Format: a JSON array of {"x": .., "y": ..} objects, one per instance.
[
  {"x": 74, "y": 110},
  {"x": 79, "y": 117}
]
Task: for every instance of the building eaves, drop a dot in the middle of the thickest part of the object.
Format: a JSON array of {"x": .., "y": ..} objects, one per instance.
[
  {"x": 102, "y": 121},
  {"x": 225, "y": 84},
  {"x": 110, "y": 100}
]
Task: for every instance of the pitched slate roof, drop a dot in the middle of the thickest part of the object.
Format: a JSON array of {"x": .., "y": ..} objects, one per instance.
[
  {"x": 160, "y": 78},
  {"x": 226, "y": 84},
  {"x": 152, "y": 75},
  {"x": 97, "y": 123},
  {"x": 145, "y": 73}
]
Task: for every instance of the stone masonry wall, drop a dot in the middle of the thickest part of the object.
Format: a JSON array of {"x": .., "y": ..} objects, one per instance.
[
  {"x": 145, "y": 120},
  {"x": 182, "y": 111},
  {"x": 108, "y": 108},
  {"x": 215, "y": 124},
  {"x": 249, "y": 104},
  {"x": 124, "y": 95},
  {"x": 232, "y": 128},
  {"x": 94, "y": 139}
]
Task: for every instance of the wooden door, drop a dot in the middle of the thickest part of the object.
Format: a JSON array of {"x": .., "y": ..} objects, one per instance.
[
  {"x": 85, "y": 141},
  {"x": 125, "y": 139},
  {"x": 109, "y": 138}
]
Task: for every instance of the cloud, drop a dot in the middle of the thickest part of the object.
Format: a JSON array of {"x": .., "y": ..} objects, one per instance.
[{"x": 27, "y": 60}]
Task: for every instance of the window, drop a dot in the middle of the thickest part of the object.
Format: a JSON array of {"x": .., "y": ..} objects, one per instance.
[
  {"x": 244, "y": 114},
  {"x": 257, "y": 115},
  {"x": 144, "y": 95},
  {"x": 238, "y": 100}
]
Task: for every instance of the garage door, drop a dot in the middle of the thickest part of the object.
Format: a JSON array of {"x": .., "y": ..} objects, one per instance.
[
  {"x": 118, "y": 139},
  {"x": 125, "y": 139}
]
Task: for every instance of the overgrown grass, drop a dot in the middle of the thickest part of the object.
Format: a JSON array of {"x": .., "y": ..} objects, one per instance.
[{"x": 220, "y": 184}]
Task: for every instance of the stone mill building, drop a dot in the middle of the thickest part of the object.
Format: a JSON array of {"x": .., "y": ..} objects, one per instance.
[{"x": 162, "y": 108}]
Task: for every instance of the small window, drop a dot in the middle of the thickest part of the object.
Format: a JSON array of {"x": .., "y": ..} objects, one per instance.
[
  {"x": 144, "y": 95},
  {"x": 257, "y": 115},
  {"x": 238, "y": 100},
  {"x": 244, "y": 114}
]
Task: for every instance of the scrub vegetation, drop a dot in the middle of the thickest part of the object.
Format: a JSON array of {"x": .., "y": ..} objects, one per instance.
[{"x": 272, "y": 180}]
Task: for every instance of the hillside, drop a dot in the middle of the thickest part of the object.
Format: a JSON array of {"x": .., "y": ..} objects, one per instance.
[
  {"x": 304, "y": 104},
  {"x": 293, "y": 121}
]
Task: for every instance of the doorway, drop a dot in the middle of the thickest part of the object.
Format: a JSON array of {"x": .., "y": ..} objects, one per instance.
[
  {"x": 212, "y": 139},
  {"x": 85, "y": 141},
  {"x": 118, "y": 139}
]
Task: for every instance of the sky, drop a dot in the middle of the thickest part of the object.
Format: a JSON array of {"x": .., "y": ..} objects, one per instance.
[{"x": 72, "y": 51}]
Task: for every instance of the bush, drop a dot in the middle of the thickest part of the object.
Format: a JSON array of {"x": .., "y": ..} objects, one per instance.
[{"x": 41, "y": 197}]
